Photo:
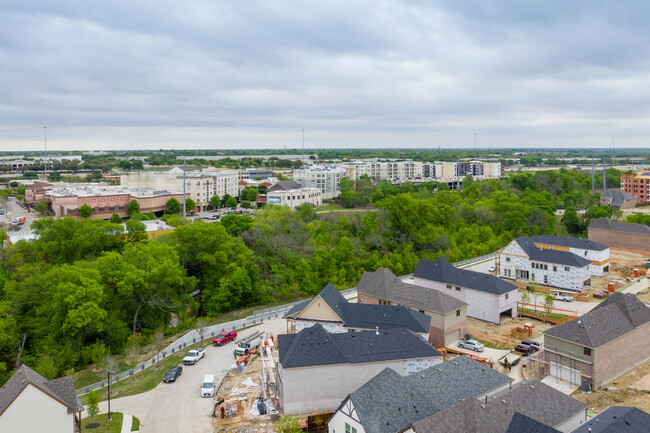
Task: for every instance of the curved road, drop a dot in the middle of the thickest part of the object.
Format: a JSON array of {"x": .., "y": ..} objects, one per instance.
[{"x": 178, "y": 407}]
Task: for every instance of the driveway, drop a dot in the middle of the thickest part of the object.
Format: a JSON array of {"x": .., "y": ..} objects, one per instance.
[{"x": 178, "y": 407}]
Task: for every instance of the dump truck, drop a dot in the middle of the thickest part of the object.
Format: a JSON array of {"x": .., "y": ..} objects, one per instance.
[{"x": 249, "y": 343}]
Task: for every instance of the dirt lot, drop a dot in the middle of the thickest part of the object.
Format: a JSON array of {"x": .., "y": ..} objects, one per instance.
[
  {"x": 621, "y": 267},
  {"x": 501, "y": 333},
  {"x": 631, "y": 389}
]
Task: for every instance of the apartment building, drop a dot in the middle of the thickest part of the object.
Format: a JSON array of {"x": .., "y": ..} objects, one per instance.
[
  {"x": 637, "y": 185},
  {"x": 395, "y": 170},
  {"x": 325, "y": 178}
]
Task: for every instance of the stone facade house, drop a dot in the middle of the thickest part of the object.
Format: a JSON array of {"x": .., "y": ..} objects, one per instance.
[
  {"x": 318, "y": 369},
  {"x": 336, "y": 315},
  {"x": 448, "y": 314},
  {"x": 618, "y": 234},
  {"x": 31, "y": 403},
  {"x": 487, "y": 297},
  {"x": 600, "y": 345}
]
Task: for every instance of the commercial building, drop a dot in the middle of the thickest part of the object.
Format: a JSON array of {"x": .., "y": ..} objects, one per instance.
[
  {"x": 255, "y": 173},
  {"x": 600, "y": 345},
  {"x": 448, "y": 315},
  {"x": 106, "y": 200},
  {"x": 618, "y": 234},
  {"x": 487, "y": 297},
  {"x": 200, "y": 186},
  {"x": 637, "y": 185},
  {"x": 289, "y": 193},
  {"x": 325, "y": 178},
  {"x": 318, "y": 369}
]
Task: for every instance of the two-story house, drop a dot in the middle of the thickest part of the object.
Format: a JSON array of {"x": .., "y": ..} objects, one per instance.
[{"x": 595, "y": 252}]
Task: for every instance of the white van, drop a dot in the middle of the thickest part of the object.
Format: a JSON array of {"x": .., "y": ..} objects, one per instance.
[{"x": 207, "y": 389}]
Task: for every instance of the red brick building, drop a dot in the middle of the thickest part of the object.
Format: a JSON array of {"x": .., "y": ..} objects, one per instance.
[{"x": 637, "y": 184}]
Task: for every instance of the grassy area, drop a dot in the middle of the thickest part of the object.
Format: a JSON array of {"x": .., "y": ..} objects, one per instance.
[
  {"x": 105, "y": 426},
  {"x": 329, "y": 207},
  {"x": 492, "y": 345},
  {"x": 135, "y": 426},
  {"x": 542, "y": 313}
]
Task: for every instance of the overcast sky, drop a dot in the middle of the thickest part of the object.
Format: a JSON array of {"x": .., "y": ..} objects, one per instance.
[{"x": 135, "y": 74}]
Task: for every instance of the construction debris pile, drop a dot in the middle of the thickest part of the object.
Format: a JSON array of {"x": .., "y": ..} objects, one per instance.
[{"x": 247, "y": 399}]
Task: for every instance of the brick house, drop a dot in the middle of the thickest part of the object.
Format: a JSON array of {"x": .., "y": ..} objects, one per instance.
[
  {"x": 448, "y": 314},
  {"x": 600, "y": 345},
  {"x": 523, "y": 259},
  {"x": 618, "y": 234},
  {"x": 618, "y": 199},
  {"x": 487, "y": 297},
  {"x": 336, "y": 315},
  {"x": 318, "y": 369}
]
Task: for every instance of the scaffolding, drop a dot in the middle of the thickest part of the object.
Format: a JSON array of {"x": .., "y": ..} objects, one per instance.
[{"x": 563, "y": 360}]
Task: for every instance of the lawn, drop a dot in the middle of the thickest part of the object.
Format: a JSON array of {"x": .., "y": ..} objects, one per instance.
[
  {"x": 542, "y": 313},
  {"x": 329, "y": 207},
  {"x": 135, "y": 425},
  {"x": 492, "y": 345},
  {"x": 113, "y": 426}
]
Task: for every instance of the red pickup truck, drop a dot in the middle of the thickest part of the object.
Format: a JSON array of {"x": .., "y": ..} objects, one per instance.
[{"x": 224, "y": 337}]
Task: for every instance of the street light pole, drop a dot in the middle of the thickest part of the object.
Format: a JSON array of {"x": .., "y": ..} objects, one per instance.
[
  {"x": 109, "y": 395},
  {"x": 184, "y": 187},
  {"x": 45, "y": 139},
  {"x": 475, "y": 153}
]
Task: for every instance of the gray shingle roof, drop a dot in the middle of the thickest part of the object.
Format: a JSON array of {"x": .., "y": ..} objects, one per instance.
[
  {"x": 551, "y": 256},
  {"x": 366, "y": 316},
  {"x": 529, "y": 403},
  {"x": 617, "y": 419},
  {"x": 386, "y": 404},
  {"x": 314, "y": 346},
  {"x": 617, "y": 226},
  {"x": 61, "y": 389},
  {"x": 385, "y": 285},
  {"x": 284, "y": 185},
  {"x": 584, "y": 244},
  {"x": 617, "y": 315},
  {"x": 618, "y": 197},
  {"x": 443, "y": 271}
]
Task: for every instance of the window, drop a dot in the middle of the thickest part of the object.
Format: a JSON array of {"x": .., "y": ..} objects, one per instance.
[
  {"x": 586, "y": 351},
  {"x": 449, "y": 286},
  {"x": 457, "y": 289},
  {"x": 554, "y": 268},
  {"x": 566, "y": 268},
  {"x": 507, "y": 295},
  {"x": 546, "y": 267},
  {"x": 349, "y": 428},
  {"x": 507, "y": 259},
  {"x": 457, "y": 313},
  {"x": 545, "y": 279},
  {"x": 532, "y": 277}
]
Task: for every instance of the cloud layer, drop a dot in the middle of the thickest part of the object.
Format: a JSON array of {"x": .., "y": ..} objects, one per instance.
[{"x": 217, "y": 74}]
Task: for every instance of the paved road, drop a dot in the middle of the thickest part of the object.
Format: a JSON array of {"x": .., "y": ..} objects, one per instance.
[{"x": 178, "y": 407}]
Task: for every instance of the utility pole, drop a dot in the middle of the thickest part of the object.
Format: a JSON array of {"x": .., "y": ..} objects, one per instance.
[
  {"x": 604, "y": 174},
  {"x": 592, "y": 173},
  {"x": 303, "y": 148},
  {"x": 475, "y": 145},
  {"x": 45, "y": 139},
  {"x": 184, "y": 186}
]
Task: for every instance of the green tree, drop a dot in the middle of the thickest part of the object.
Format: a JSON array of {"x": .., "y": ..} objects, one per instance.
[
  {"x": 236, "y": 224},
  {"x": 85, "y": 211},
  {"x": 41, "y": 207},
  {"x": 288, "y": 424},
  {"x": 13, "y": 184},
  {"x": 135, "y": 231},
  {"x": 231, "y": 203},
  {"x": 173, "y": 206},
  {"x": 572, "y": 222},
  {"x": 115, "y": 219},
  {"x": 306, "y": 212},
  {"x": 189, "y": 205},
  {"x": 524, "y": 297},
  {"x": 548, "y": 302},
  {"x": 215, "y": 202},
  {"x": 93, "y": 405},
  {"x": 133, "y": 208}
]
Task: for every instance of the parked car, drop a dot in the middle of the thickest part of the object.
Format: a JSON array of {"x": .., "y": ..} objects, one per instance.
[
  {"x": 471, "y": 345},
  {"x": 172, "y": 374},
  {"x": 563, "y": 297},
  {"x": 194, "y": 355},
  {"x": 524, "y": 349},
  {"x": 224, "y": 337},
  {"x": 533, "y": 344},
  {"x": 493, "y": 268},
  {"x": 207, "y": 387}
]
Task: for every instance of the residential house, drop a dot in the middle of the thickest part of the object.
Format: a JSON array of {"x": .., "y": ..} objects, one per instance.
[
  {"x": 528, "y": 406},
  {"x": 318, "y": 369},
  {"x": 448, "y": 314},
  {"x": 389, "y": 403},
  {"x": 31, "y": 403},
  {"x": 600, "y": 345},
  {"x": 595, "y": 252},
  {"x": 336, "y": 315},
  {"x": 618, "y": 199},
  {"x": 488, "y": 297},
  {"x": 618, "y": 234},
  {"x": 523, "y": 259},
  {"x": 617, "y": 419}
]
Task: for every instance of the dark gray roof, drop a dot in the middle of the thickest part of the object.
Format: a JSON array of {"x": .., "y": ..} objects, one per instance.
[
  {"x": 314, "y": 346},
  {"x": 583, "y": 244},
  {"x": 617, "y": 226},
  {"x": 529, "y": 403},
  {"x": 551, "y": 256},
  {"x": 386, "y": 404},
  {"x": 456, "y": 379},
  {"x": 443, "y": 271},
  {"x": 61, "y": 389},
  {"x": 617, "y": 315},
  {"x": 385, "y": 285},
  {"x": 617, "y": 419},
  {"x": 618, "y": 197},
  {"x": 366, "y": 316},
  {"x": 284, "y": 185}
]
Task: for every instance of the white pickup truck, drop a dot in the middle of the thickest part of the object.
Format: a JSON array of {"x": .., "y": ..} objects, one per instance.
[{"x": 194, "y": 355}]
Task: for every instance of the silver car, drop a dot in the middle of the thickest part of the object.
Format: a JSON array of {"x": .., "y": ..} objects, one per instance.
[{"x": 471, "y": 345}]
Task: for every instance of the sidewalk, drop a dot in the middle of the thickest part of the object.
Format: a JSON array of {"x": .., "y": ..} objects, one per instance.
[{"x": 127, "y": 422}]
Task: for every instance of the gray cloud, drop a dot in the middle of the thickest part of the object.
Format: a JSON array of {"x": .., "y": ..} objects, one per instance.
[{"x": 126, "y": 74}]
